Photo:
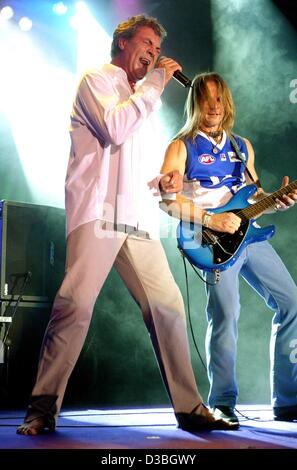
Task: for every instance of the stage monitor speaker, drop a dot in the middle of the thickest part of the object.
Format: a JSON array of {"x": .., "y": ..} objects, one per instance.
[
  {"x": 32, "y": 255},
  {"x": 20, "y": 343}
]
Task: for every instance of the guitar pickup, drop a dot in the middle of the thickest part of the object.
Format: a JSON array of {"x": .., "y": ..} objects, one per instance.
[{"x": 209, "y": 237}]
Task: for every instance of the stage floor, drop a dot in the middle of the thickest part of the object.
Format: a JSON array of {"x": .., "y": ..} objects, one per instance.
[{"x": 107, "y": 434}]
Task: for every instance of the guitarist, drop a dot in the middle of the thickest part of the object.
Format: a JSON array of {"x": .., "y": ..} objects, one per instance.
[{"x": 213, "y": 173}]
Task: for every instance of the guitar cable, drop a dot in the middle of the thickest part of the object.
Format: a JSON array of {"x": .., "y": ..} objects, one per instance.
[
  {"x": 189, "y": 313},
  {"x": 247, "y": 418},
  {"x": 216, "y": 271}
]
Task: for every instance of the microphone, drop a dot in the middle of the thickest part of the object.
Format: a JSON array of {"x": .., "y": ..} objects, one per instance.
[
  {"x": 179, "y": 76},
  {"x": 182, "y": 79}
]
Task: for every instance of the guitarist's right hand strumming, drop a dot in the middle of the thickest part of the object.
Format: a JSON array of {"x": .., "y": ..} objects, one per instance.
[{"x": 227, "y": 222}]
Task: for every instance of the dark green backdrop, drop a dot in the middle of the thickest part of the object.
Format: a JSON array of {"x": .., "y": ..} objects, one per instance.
[{"x": 253, "y": 45}]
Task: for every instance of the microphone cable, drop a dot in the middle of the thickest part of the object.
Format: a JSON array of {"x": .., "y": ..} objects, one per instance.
[{"x": 6, "y": 340}]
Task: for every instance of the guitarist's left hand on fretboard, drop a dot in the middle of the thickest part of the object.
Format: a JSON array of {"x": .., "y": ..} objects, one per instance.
[{"x": 286, "y": 200}]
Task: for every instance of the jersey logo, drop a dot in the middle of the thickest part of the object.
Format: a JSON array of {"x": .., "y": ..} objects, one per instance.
[
  {"x": 233, "y": 157},
  {"x": 206, "y": 159}
]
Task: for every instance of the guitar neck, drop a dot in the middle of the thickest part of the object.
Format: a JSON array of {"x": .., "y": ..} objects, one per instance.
[{"x": 267, "y": 202}]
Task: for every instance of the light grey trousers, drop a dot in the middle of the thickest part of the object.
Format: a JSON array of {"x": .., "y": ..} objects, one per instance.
[{"x": 142, "y": 264}]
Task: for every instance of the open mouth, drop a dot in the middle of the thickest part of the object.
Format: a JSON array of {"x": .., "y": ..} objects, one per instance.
[{"x": 144, "y": 61}]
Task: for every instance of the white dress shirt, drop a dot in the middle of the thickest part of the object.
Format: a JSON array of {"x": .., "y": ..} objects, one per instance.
[{"x": 115, "y": 151}]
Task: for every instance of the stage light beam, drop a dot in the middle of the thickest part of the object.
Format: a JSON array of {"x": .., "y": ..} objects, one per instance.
[
  {"x": 93, "y": 42},
  {"x": 36, "y": 105},
  {"x": 60, "y": 8}
]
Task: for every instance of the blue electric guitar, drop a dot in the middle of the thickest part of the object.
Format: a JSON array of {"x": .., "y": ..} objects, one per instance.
[{"x": 210, "y": 250}]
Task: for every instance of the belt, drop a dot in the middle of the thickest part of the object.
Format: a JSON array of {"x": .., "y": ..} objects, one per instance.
[{"x": 125, "y": 229}]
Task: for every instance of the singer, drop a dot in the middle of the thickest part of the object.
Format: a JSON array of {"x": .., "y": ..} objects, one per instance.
[{"x": 110, "y": 109}]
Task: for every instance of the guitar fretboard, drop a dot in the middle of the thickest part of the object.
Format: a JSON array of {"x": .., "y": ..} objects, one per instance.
[{"x": 267, "y": 202}]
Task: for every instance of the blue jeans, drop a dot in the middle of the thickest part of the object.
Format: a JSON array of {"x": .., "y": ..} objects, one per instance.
[{"x": 262, "y": 268}]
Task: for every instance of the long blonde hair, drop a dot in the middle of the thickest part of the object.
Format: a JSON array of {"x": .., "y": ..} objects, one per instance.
[{"x": 197, "y": 92}]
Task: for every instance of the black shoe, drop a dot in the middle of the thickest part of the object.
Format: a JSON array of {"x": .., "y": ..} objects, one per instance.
[
  {"x": 226, "y": 413},
  {"x": 285, "y": 413},
  {"x": 36, "y": 426},
  {"x": 197, "y": 423}
]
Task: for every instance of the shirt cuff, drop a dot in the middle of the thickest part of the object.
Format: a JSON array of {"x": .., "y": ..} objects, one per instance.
[{"x": 168, "y": 196}]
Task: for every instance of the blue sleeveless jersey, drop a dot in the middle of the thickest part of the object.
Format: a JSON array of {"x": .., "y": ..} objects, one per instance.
[{"x": 214, "y": 170}]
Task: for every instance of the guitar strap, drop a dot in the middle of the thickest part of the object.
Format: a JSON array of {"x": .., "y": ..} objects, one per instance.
[{"x": 239, "y": 155}]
